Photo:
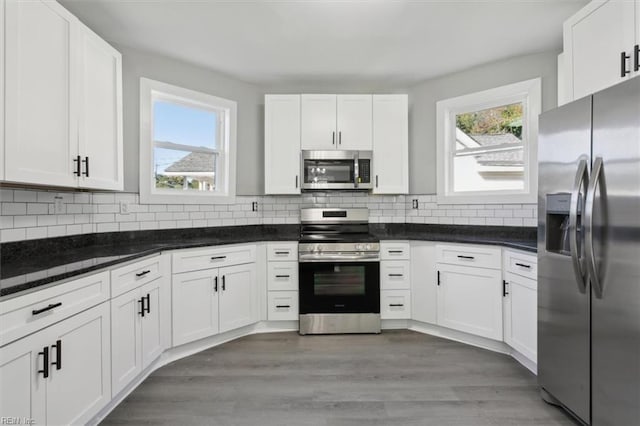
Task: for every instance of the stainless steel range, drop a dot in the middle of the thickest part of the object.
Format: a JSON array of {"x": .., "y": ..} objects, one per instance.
[{"x": 339, "y": 272}]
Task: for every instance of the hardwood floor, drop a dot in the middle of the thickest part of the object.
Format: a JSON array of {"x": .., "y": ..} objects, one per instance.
[{"x": 395, "y": 378}]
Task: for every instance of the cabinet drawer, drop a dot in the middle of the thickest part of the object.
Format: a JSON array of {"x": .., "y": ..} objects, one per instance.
[
  {"x": 483, "y": 257},
  {"x": 29, "y": 313},
  {"x": 285, "y": 251},
  {"x": 395, "y": 304},
  {"x": 195, "y": 260},
  {"x": 282, "y": 276},
  {"x": 395, "y": 275},
  {"x": 394, "y": 250},
  {"x": 134, "y": 275},
  {"x": 283, "y": 305},
  {"x": 522, "y": 264}
]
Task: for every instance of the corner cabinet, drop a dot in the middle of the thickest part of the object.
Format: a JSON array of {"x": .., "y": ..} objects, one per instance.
[
  {"x": 282, "y": 144},
  {"x": 391, "y": 144},
  {"x": 62, "y": 100},
  {"x": 601, "y": 47}
]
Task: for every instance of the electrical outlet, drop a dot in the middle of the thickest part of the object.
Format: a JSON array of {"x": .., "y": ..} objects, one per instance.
[
  {"x": 124, "y": 207},
  {"x": 415, "y": 203},
  {"x": 254, "y": 206},
  {"x": 58, "y": 203}
]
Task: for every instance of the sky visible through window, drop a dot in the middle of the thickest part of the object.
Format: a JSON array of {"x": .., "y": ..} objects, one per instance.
[{"x": 182, "y": 125}]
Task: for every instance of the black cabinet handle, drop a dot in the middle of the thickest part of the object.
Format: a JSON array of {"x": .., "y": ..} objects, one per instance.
[
  {"x": 296, "y": 181},
  {"x": 438, "y": 278},
  {"x": 45, "y": 362},
  {"x": 223, "y": 283},
  {"x": 218, "y": 257},
  {"x": 45, "y": 309},
  {"x": 86, "y": 166},
  {"x": 282, "y": 252},
  {"x": 340, "y": 138},
  {"x": 465, "y": 257},
  {"x": 504, "y": 288},
  {"x": 148, "y": 299},
  {"x": 141, "y": 311},
  {"x": 58, "y": 361},
  {"x": 283, "y": 276},
  {"x": 333, "y": 138},
  {"x": 396, "y": 305},
  {"x": 623, "y": 64},
  {"x": 77, "y": 165},
  {"x": 636, "y": 58},
  {"x": 523, "y": 265},
  {"x": 376, "y": 181},
  {"x": 143, "y": 273},
  {"x": 395, "y": 251},
  {"x": 283, "y": 306},
  {"x": 396, "y": 275},
  {"x": 215, "y": 284}
]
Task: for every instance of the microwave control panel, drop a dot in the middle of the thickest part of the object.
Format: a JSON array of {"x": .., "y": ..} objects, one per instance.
[{"x": 364, "y": 171}]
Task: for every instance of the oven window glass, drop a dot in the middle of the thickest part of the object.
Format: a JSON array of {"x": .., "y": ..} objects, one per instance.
[
  {"x": 328, "y": 171},
  {"x": 340, "y": 281}
]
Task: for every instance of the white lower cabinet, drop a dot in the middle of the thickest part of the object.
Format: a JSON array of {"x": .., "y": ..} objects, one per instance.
[
  {"x": 470, "y": 300},
  {"x": 61, "y": 374},
  {"x": 395, "y": 304},
  {"x": 213, "y": 301},
  {"x": 521, "y": 314},
  {"x": 424, "y": 288},
  {"x": 282, "y": 306},
  {"x": 282, "y": 281}
]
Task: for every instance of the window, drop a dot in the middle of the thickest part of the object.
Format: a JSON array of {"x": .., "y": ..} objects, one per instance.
[
  {"x": 187, "y": 145},
  {"x": 487, "y": 145}
]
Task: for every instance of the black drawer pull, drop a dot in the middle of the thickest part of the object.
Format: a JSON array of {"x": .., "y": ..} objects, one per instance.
[
  {"x": 636, "y": 56},
  {"x": 396, "y": 251},
  {"x": 45, "y": 362},
  {"x": 282, "y": 252},
  {"x": 148, "y": 299},
  {"x": 396, "y": 305},
  {"x": 465, "y": 257},
  {"x": 218, "y": 257},
  {"x": 86, "y": 166},
  {"x": 223, "y": 283},
  {"x": 283, "y": 276},
  {"x": 77, "y": 161},
  {"x": 504, "y": 288},
  {"x": 623, "y": 64},
  {"x": 283, "y": 306},
  {"x": 523, "y": 265},
  {"x": 141, "y": 311},
  {"x": 396, "y": 275},
  {"x": 215, "y": 284},
  {"x": 45, "y": 309},
  {"x": 58, "y": 361},
  {"x": 143, "y": 273}
]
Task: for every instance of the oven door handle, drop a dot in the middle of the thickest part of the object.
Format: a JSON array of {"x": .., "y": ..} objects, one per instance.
[{"x": 339, "y": 258}]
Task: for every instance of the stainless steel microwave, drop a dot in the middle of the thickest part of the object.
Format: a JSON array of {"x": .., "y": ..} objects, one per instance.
[{"x": 325, "y": 170}]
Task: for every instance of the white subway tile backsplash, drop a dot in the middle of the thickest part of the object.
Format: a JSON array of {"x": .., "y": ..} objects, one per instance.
[
  {"x": 6, "y": 195},
  {"x": 102, "y": 198},
  {"x": 12, "y": 209}
]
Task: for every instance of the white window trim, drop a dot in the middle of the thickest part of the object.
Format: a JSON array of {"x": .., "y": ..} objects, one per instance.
[
  {"x": 529, "y": 93},
  {"x": 149, "y": 194}
]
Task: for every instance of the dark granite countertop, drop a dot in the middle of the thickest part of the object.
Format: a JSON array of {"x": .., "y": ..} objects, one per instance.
[{"x": 25, "y": 265}]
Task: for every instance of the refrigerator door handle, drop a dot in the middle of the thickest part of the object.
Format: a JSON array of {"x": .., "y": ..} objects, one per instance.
[
  {"x": 581, "y": 181},
  {"x": 597, "y": 177}
]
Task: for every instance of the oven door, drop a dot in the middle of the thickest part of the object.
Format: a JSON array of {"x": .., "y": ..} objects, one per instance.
[{"x": 339, "y": 287}]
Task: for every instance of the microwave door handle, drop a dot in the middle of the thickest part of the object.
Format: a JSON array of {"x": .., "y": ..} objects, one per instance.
[{"x": 356, "y": 172}]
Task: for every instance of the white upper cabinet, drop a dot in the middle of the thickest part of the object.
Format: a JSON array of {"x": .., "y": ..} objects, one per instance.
[
  {"x": 336, "y": 122},
  {"x": 354, "y": 122},
  {"x": 282, "y": 144},
  {"x": 100, "y": 124},
  {"x": 390, "y": 144},
  {"x": 3, "y": 25},
  {"x": 41, "y": 85},
  {"x": 63, "y": 100},
  {"x": 599, "y": 47}
]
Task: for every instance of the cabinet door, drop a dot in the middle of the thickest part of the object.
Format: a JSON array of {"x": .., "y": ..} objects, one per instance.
[
  {"x": 41, "y": 114},
  {"x": 195, "y": 305},
  {"x": 354, "y": 117},
  {"x": 151, "y": 323},
  {"x": 470, "y": 300},
  {"x": 100, "y": 124},
  {"x": 282, "y": 144},
  {"x": 126, "y": 363},
  {"x": 391, "y": 144},
  {"x": 521, "y": 315},
  {"x": 2, "y": 9},
  {"x": 22, "y": 387},
  {"x": 318, "y": 122},
  {"x": 595, "y": 38},
  {"x": 424, "y": 293},
  {"x": 238, "y": 296},
  {"x": 80, "y": 385}
]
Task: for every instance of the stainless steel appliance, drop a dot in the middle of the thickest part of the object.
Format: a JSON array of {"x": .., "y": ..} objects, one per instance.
[
  {"x": 322, "y": 170},
  {"x": 339, "y": 272},
  {"x": 589, "y": 256}
]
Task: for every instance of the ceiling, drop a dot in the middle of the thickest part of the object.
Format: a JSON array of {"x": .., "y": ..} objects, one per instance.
[{"x": 276, "y": 41}]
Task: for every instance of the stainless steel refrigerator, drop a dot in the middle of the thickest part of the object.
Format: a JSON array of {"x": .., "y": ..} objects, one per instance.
[{"x": 589, "y": 256}]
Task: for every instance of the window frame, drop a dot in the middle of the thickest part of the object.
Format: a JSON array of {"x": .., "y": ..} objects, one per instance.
[
  {"x": 527, "y": 92},
  {"x": 152, "y": 90}
]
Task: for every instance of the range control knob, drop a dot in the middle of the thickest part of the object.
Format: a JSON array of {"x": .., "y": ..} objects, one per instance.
[
  {"x": 359, "y": 247},
  {"x": 368, "y": 247}
]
